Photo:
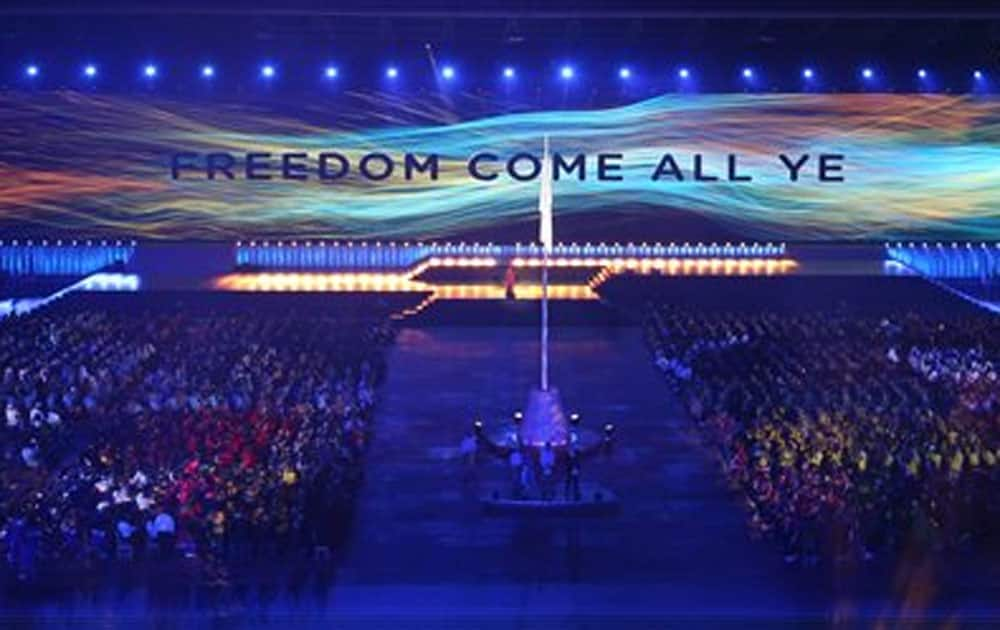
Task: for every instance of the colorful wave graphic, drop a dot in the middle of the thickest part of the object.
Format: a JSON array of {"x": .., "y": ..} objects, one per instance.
[{"x": 917, "y": 166}]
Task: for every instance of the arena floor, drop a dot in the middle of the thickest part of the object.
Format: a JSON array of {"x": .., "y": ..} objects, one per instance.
[{"x": 423, "y": 554}]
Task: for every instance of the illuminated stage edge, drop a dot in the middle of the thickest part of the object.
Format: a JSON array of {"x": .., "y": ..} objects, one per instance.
[
  {"x": 480, "y": 287},
  {"x": 350, "y": 267}
]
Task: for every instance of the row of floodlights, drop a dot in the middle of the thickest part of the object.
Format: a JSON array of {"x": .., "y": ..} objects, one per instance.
[{"x": 448, "y": 72}]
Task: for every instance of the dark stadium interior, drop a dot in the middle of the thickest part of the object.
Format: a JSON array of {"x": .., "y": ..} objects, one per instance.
[{"x": 454, "y": 403}]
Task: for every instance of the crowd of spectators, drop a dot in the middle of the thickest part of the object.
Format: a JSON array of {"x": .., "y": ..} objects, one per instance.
[
  {"x": 846, "y": 434},
  {"x": 201, "y": 433}
]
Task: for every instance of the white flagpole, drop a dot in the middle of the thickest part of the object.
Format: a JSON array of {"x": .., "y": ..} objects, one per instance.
[
  {"x": 545, "y": 236},
  {"x": 545, "y": 319}
]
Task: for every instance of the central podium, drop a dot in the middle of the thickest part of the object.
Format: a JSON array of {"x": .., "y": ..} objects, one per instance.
[{"x": 544, "y": 421}]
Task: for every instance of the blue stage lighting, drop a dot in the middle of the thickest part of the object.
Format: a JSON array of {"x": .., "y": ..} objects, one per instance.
[
  {"x": 90, "y": 71},
  {"x": 624, "y": 72},
  {"x": 207, "y": 71},
  {"x": 267, "y": 71},
  {"x": 807, "y": 73},
  {"x": 566, "y": 72},
  {"x": 448, "y": 72},
  {"x": 331, "y": 72},
  {"x": 391, "y": 72},
  {"x": 149, "y": 71},
  {"x": 867, "y": 73},
  {"x": 509, "y": 72},
  {"x": 748, "y": 73},
  {"x": 921, "y": 73},
  {"x": 31, "y": 71},
  {"x": 977, "y": 75},
  {"x": 684, "y": 73}
]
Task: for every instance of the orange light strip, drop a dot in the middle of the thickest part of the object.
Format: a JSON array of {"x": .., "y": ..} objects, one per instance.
[
  {"x": 339, "y": 282},
  {"x": 308, "y": 282},
  {"x": 697, "y": 267},
  {"x": 522, "y": 291},
  {"x": 655, "y": 264}
]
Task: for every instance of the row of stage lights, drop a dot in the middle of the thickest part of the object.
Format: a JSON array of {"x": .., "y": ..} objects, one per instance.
[
  {"x": 60, "y": 243},
  {"x": 587, "y": 250},
  {"x": 566, "y": 72},
  {"x": 952, "y": 245}
]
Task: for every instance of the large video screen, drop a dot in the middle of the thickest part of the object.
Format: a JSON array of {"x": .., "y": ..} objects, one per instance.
[{"x": 371, "y": 165}]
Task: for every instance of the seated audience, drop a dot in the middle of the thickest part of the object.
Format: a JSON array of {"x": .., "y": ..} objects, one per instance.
[
  {"x": 844, "y": 433},
  {"x": 225, "y": 434}
]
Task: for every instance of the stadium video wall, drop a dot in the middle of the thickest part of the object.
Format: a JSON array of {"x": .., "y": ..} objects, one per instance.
[{"x": 370, "y": 165}]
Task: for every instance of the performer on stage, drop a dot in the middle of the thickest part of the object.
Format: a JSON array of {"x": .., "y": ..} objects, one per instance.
[{"x": 509, "y": 280}]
